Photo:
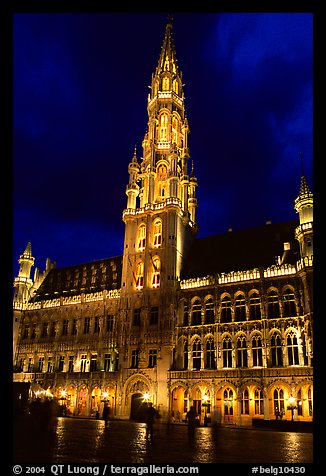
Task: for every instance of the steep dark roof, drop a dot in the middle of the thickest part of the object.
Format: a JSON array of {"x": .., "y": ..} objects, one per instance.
[
  {"x": 241, "y": 250},
  {"x": 88, "y": 278}
]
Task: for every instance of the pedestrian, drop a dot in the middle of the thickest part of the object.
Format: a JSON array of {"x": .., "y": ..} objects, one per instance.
[
  {"x": 106, "y": 414},
  {"x": 150, "y": 414},
  {"x": 191, "y": 419}
]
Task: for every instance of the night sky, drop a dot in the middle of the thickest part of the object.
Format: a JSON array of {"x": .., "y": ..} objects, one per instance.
[{"x": 80, "y": 86}]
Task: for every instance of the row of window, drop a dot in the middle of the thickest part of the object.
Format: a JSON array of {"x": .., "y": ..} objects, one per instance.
[
  {"x": 67, "y": 327},
  {"x": 199, "y": 356},
  {"x": 157, "y": 235},
  {"x": 240, "y": 310}
]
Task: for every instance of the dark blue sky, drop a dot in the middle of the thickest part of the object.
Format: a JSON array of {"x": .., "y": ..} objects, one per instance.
[{"x": 80, "y": 85}]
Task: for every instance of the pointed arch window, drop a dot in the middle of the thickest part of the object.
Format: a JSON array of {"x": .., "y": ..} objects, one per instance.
[
  {"x": 227, "y": 351},
  {"x": 165, "y": 83},
  {"x": 210, "y": 354},
  {"x": 196, "y": 354},
  {"x": 254, "y": 306},
  {"x": 157, "y": 233},
  {"x": 226, "y": 313},
  {"x": 278, "y": 401},
  {"x": 163, "y": 130},
  {"x": 273, "y": 305},
  {"x": 185, "y": 314},
  {"x": 175, "y": 127},
  {"x": 185, "y": 355},
  {"x": 209, "y": 311},
  {"x": 156, "y": 272},
  {"x": 242, "y": 356},
  {"x": 289, "y": 308},
  {"x": 196, "y": 313},
  {"x": 257, "y": 351},
  {"x": 292, "y": 348},
  {"x": 276, "y": 350},
  {"x": 245, "y": 402},
  {"x": 240, "y": 308},
  {"x": 259, "y": 401},
  {"x": 175, "y": 86},
  {"x": 141, "y": 237},
  {"x": 140, "y": 275}
]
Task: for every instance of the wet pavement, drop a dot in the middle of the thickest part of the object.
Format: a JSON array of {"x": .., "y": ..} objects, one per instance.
[{"x": 74, "y": 440}]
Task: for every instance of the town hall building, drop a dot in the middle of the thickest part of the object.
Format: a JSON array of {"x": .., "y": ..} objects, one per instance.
[{"x": 222, "y": 323}]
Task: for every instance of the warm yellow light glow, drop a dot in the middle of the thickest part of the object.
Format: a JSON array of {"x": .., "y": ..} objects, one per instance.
[
  {"x": 205, "y": 398},
  {"x": 105, "y": 394},
  {"x": 63, "y": 393},
  {"x": 291, "y": 400},
  {"x": 146, "y": 397}
]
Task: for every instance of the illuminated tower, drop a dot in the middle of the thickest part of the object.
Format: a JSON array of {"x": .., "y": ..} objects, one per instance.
[
  {"x": 303, "y": 205},
  {"x": 160, "y": 217},
  {"x": 23, "y": 282}
]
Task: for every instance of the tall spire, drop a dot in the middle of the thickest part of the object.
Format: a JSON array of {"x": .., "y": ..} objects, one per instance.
[{"x": 168, "y": 60}]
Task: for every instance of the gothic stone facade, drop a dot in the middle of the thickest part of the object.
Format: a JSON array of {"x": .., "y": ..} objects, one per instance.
[{"x": 223, "y": 323}]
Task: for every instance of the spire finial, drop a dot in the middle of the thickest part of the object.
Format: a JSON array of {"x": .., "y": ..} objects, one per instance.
[
  {"x": 169, "y": 20},
  {"x": 301, "y": 160}
]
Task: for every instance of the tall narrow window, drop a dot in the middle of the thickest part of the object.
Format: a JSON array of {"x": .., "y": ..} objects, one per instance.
[
  {"x": 109, "y": 322},
  {"x": 65, "y": 327},
  {"x": 226, "y": 313},
  {"x": 257, "y": 351},
  {"x": 245, "y": 402},
  {"x": 196, "y": 313},
  {"x": 153, "y": 320},
  {"x": 227, "y": 352},
  {"x": 157, "y": 233},
  {"x": 61, "y": 363},
  {"x": 185, "y": 355},
  {"x": 175, "y": 125},
  {"x": 254, "y": 307},
  {"x": 209, "y": 311},
  {"x": 83, "y": 363},
  {"x": 156, "y": 272},
  {"x": 259, "y": 402},
  {"x": 185, "y": 314},
  {"x": 289, "y": 308},
  {"x": 141, "y": 237},
  {"x": 93, "y": 365},
  {"x": 292, "y": 348},
  {"x": 107, "y": 362},
  {"x": 273, "y": 305},
  {"x": 276, "y": 350},
  {"x": 242, "y": 359},
  {"x": 210, "y": 354},
  {"x": 165, "y": 83},
  {"x": 134, "y": 359},
  {"x": 240, "y": 308},
  {"x": 136, "y": 317},
  {"x": 152, "y": 358},
  {"x": 71, "y": 363},
  {"x": 163, "y": 131},
  {"x": 278, "y": 401},
  {"x": 96, "y": 325},
  {"x": 87, "y": 322},
  {"x": 74, "y": 327},
  {"x": 40, "y": 364},
  {"x": 196, "y": 354},
  {"x": 140, "y": 275}
]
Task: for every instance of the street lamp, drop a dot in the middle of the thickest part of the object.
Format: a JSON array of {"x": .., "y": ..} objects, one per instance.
[{"x": 292, "y": 406}]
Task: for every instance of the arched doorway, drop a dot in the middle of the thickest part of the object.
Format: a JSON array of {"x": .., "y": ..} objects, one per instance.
[
  {"x": 137, "y": 407},
  {"x": 179, "y": 404}
]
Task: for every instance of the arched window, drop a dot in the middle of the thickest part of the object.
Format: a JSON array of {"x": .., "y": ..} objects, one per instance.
[
  {"x": 163, "y": 131},
  {"x": 245, "y": 402},
  {"x": 140, "y": 275},
  {"x": 156, "y": 272},
  {"x": 273, "y": 305},
  {"x": 227, "y": 351},
  {"x": 257, "y": 351},
  {"x": 289, "y": 309},
  {"x": 278, "y": 396},
  {"x": 175, "y": 126},
  {"x": 228, "y": 402},
  {"x": 259, "y": 401},
  {"x": 254, "y": 306},
  {"x": 209, "y": 311},
  {"x": 196, "y": 313},
  {"x": 276, "y": 350},
  {"x": 161, "y": 180},
  {"x": 240, "y": 308},
  {"x": 185, "y": 355},
  {"x": 157, "y": 233},
  {"x": 210, "y": 354},
  {"x": 165, "y": 83},
  {"x": 196, "y": 354},
  {"x": 299, "y": 400},
  {"x": 292, "y": 348},
  {"x": 242, "y": 357},
  {"x": 226, "y": 314},
  {"x": 175, "y": 86},
  {"x": 185, "y": 314},
  {"x": 141, "y": 237}
]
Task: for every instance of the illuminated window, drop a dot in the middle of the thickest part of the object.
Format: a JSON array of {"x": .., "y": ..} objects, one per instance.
[
  {"x": 196, "y": 354},
  {"x": 276, "y": 350},
  {"x": 152, "y": 360},
  {"x": 226, "y": 313},
  {"x": 273, "y": 305},
  {"x": 292, "y": 348},
  {"x": 254, "y": 306},
  {"x": 156, "y": 272},
  {"x": 71, "y": 363},
  {"x": 259, "y": 402},
  {"x": 278, "y": 401},
  {"x": 134, "y": 359},
  {"x": 245, "y": 402},
  {"x": 140, "y": 275},
  {"x": 83, "y": 363},
  {"x": 50, "y": 367},
  {"x": 40, "y": 364},
  {"x": 175, "y": 126},
  {"x": 163, "y": 130},
  {"x": 227, "y": 351},
  {"x": 141, "y": 237},
  {"x": 161, "y": 177},
  {"x": 209, "y": 311},
  {"x": 107, "y": 362},
  {"x": 196, "y": 313},
  {"x": 157, "y": 233},
  {"x": 257, "y": 351},
  {"x": 228, "y": 402},
  {"x": 175, "y": 86},
  {"x": 242, "y": 356},
  {"x": 61, "y": 363},
  {"x": 165, "y": 84}
]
